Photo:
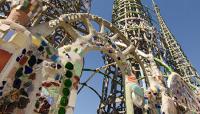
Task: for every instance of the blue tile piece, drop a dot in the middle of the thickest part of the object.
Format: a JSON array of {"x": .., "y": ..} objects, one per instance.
[
  {"x": 55, "y": 58},
  {"x": 28, "y": 70},
  {"x": 8, "y": 35},
  {"x": 17, "y": 83},
  {"x": 3, "y": 82},
  {"x": 57, "y": 77},
  {"x": 43, "y": 43},
  {"x": 32, "y": 61}
]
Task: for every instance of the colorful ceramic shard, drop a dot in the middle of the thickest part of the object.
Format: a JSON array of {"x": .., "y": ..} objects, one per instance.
[{"x": 69, "y": 66}]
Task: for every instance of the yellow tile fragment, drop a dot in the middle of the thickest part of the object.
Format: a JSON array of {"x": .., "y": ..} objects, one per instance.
[
  {"x": 1, "y": 41},
  {"x": 36, "y": 41}
]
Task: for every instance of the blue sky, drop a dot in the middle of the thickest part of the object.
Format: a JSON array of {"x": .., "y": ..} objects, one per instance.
[{"x": 182, "y": 17}]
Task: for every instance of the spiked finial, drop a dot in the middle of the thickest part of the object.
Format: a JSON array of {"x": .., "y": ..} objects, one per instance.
[
  {"x": 154, "y": 3},
  {"x": 156, "y": 8}
]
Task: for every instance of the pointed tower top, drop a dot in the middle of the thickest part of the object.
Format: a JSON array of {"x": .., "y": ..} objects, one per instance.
[
  {"x": 156, "y": 8},
  {"x": 154, "y": 3},
  {"x": 170, "y": 42}
]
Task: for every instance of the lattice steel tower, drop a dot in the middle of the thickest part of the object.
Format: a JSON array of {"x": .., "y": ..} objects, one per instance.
[
  {"x": 178, "y": 59},
  {"x": 128, "y": 16},
  {"x": 133, "y": 20},
  {"x": 142, "y": 64}
]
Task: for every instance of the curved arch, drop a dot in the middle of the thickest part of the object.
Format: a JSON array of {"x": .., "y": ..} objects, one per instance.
[
  {"x": 66, "y": 21},
  {"x": 114, "y": 44},
  {"x": 77, "y": 61},
  {"x": 84, "y": 42},
  {"x": 71, "y": 58}
]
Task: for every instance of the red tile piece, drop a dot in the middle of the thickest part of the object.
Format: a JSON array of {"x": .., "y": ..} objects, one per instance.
[
  {"x": 4, "y": 58},
  {"x": 32, "y": 76},
  {"x": 23, "y": 60}
]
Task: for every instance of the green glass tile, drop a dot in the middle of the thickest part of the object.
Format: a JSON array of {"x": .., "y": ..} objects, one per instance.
[
  {"x": 69, "y": 66},
  {"x": 64, "y": 101},
  {"x": 68, "y": 83},
  {"x": 61, "y": 110},
  {"x": 68, "y": 74},
  {"x": 66, "y": 92}
]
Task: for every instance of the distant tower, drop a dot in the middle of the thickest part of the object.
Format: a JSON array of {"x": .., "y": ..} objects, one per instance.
[
  {"x": 49, "y": 10},
  {"x": 132, "y": 20},
  {"x": 178, "y": 59},
  {"x": 142, "y": 65}
]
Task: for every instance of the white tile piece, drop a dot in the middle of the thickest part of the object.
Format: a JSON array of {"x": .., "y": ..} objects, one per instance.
[
  {"x": 69, "y": 110},
  {"x": 4, "y": 27},
  {"x": 1, "y": 34},
  {"x": 72, "y": 98}
]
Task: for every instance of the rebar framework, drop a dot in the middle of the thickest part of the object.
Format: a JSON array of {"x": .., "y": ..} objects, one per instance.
[
  {"x": 177, "y": 60},
  {"x": 133, "y": 21},
  {"x": 49, "y": 10},
  {"x": 135, "y": 62}
]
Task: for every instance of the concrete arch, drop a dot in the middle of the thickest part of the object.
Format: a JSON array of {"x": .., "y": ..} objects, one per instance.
[
  {"x": 82, "y": 43},
  {"x": 73, "y": 54}
]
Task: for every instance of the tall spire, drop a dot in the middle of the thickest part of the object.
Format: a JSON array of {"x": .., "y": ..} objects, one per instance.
[
  {"x": 178, "y": 58},
  {"x": 133, "y": 20},
  {"x": 154, "y": 3},
  {"x": 127, "y": 14}
]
